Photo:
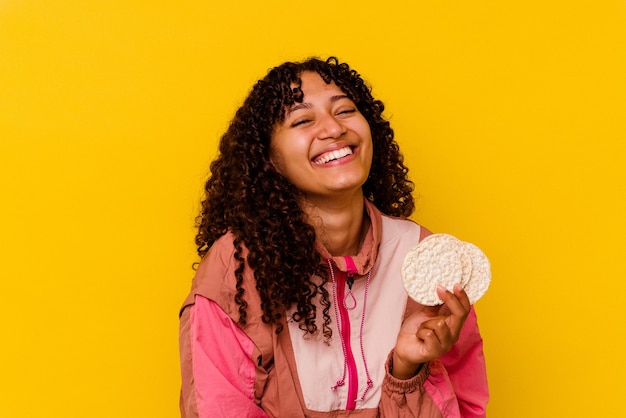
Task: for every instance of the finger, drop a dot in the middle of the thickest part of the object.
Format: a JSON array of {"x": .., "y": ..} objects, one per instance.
[
  {"x": 435, "y": 342},
  {"x": 460, "y": 293},
  {"x": 459, "y": 307},
  {"x": 442, "y": 331},
  {"x": 429, "y": 339},
  {"x": 413, "y": 322},
  {"x": 457, "y": 302}
]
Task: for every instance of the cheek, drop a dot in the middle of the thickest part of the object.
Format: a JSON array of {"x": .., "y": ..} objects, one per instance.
[
  {"x": 365, "y": 131},
  {"x": 369, "y": 157},
  {"x": 277, "y": 157},
  {"x": 277, "y": 160},
  {"x": 369, "y": 142}
]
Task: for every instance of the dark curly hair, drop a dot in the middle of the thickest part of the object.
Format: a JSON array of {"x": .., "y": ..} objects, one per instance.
[{"x": 247, "y": 196}]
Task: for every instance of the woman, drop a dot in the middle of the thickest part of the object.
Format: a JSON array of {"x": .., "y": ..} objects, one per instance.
[{"x": 297, "y": 308}]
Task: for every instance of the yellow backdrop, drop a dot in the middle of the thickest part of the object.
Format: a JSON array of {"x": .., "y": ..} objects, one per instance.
[{"x": 511, "y": 116}]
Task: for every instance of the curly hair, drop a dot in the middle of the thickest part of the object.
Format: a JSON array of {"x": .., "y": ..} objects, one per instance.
[{"x": 247, "y": 196}]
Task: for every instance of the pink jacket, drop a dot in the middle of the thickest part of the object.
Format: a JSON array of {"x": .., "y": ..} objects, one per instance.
[{"x": 229, "y": 371}]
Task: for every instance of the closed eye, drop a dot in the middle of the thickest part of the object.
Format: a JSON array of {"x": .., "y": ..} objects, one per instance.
[
  {"x": 299, "y": 122},
  {"x": 346, "y": 111}
]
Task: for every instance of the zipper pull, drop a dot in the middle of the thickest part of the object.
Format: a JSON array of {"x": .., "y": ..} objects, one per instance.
[
  {"x": 350, "y": 280},
  {"x": 349, "y": 301}
]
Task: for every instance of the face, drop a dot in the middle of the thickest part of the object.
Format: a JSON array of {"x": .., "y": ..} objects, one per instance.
[{"x": 324, "y": 145}]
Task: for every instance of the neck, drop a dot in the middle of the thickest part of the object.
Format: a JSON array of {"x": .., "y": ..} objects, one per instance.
[{"x": 340, "y": 224}]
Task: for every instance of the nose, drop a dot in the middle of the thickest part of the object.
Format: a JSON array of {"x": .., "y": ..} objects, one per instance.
[{"x": 330, "y": 128}]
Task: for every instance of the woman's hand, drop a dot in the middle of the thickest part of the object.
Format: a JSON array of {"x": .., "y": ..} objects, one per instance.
[{"x": 430, "y": 332}]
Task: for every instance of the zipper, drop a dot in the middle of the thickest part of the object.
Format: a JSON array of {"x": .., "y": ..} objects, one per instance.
[{"x": 347, "y": 279}]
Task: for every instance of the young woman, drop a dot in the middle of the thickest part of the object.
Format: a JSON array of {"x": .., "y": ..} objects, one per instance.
[{"x": 297, "y": 307}]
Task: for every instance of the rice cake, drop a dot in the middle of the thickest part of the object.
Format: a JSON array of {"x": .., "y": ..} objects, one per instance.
[{"x": 441, "y": 259}]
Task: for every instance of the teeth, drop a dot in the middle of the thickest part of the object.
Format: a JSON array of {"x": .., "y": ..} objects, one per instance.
[{"x": 333, "y": 155}]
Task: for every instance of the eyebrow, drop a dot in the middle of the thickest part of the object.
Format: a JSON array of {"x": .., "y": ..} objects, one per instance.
[{"x": 306, "y": 105}]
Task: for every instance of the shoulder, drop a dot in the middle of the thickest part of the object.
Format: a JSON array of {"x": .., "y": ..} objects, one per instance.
[
  {"x": 219, "y": 256},
  {"x": 215, "y": 277},
  {"x": 390, "y": 228},
  {"x": 399, "y": 228}
]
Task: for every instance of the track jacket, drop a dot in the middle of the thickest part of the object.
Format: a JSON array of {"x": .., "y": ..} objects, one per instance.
[{"x": 250, "y": 371}]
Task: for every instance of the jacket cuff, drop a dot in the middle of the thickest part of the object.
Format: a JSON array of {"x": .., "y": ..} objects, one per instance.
[{"x": 408, "y": 385}]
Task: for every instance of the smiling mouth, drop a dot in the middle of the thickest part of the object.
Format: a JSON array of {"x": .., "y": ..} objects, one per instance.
[{"x": 333, "y": 155}]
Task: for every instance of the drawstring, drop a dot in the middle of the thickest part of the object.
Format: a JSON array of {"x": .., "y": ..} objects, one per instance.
[
  {"x": 341, "y": 381},
  {"x": 349, "y": 282},
  {"x": 370, "y": 384}
]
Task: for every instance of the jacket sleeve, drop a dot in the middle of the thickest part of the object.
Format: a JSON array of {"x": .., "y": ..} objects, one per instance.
[
  {"x": 465, "y": 365},
  {"x": 406, "y": 398},
  {"x": 453, "y": 386},
  {"x": 216, "y": 364}
]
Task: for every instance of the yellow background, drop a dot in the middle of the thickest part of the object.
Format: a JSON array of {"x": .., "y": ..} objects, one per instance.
[{"x": 511, "y": 116}]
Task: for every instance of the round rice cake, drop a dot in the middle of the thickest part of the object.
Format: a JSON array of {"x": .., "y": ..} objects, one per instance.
[{"x": 441, "y": 259}]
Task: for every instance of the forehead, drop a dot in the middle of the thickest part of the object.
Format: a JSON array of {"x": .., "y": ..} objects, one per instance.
[
  {"x": 312, "y": 82},
  {"x": 303, "y": 88}
]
